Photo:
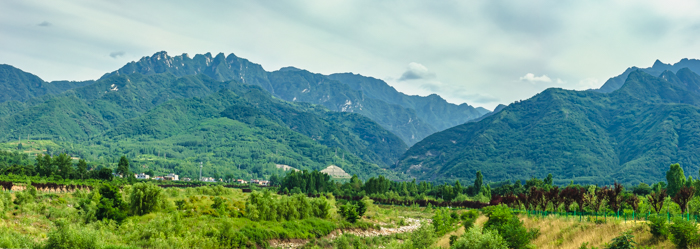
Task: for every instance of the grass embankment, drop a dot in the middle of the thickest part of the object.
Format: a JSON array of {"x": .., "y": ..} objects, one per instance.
[{"x": 556, "y": 232}]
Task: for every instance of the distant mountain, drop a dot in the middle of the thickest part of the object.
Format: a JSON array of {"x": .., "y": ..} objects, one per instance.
[
  {"x": 18, "y": 85},
  {"x": 141, "y": 114},
  {"x": 410, "y": 117},
  {"x": 630, "y": 135},
  {"x": 659, "y": 67},
  {"x": 433, "y": 109}
]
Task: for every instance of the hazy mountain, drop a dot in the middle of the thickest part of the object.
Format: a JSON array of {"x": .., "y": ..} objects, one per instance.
[
  {"x": 410, "y": 117},
  {"x": 630, "y": 135},
  {"x": 659, "y": 67},
  {"x": 433, "y": 109}
]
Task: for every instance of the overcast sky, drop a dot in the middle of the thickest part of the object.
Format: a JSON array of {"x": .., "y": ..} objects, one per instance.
[{"x": 479, "y": 52}]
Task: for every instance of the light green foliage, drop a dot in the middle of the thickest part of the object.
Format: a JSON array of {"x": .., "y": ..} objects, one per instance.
[
  {"x": 475, "y": 239},
  {"x": 422, "y": 238},
  {"x": 683, "y": 233},
  {"x": 508, "y": 226},
  {"x": 675, "y": 178},
  {"x": 13, "y": 239},
  {"x": 5, "y": 202},
  {"x": 71, "y": 237},
  {"x": 263, "y": 206},
  {"x": 442, "y": 221},
  {"x": 146, "y": 198},
  {"x": 26, "y": 196},
  {"x": 658, "y": 227}
]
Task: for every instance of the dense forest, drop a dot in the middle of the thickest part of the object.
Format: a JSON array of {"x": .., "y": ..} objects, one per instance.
[{"x": 589, "y": 137}]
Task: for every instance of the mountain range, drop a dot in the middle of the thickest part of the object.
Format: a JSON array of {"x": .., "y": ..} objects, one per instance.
[
  {"x": 412, "y": 118},
  {"x": 170, "y": 123},
  {"x": 629, "y": 135}
]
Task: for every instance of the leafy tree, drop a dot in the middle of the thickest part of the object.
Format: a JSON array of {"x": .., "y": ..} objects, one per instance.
[
  {"x": 642, "y": 189},
  {"x": 656, "y": 199},
  {"x": 549, "y": 180},
  {"x": 675, "y": 178},
  {"x": 658, "y": 226},
  {"x": 65, "y": 165},
  {"x": 123, "y": 167},
  {"x": 82, "y": 169},
  {"x": 475, "y": 238},
  {"x": 146, "y": 198},
  {"x": 349, "y": 212},
  {"x": 683, "y": 197},
  {"x": 111, "y": 205}
]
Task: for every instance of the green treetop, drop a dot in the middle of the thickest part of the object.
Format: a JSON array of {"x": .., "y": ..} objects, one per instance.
[{"x": 675, "y": 178}]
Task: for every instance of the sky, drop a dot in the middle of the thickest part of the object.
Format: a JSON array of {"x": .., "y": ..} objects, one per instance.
[{"x": 482, "y": 53}]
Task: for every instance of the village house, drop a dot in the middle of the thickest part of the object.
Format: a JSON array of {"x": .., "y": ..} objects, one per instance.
[
  {"x": 172, "y": 177},
  {"x": 142, "y": 176}
]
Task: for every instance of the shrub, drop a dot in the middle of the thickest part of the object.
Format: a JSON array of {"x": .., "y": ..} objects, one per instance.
[
  {"x": 683, "y": 233},
  {"x": 658, "y": 227},
  {"x": 423, "y": 237},
  {"x": 146, "y": 198},
  {"x": 349, "y": 212},
  {"x": 624, "y": 241},
  {"x": 475, "y": 239},
  {"x": 66, "y": 236},
  {"x": 469, "y": 218},
  {"x": 26, "y": 196},
  {"x": 502, "y": 220}
]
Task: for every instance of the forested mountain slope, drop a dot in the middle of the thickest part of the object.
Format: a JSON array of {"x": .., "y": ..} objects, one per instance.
[
  {"x": 410, "y": 117},
  {"x": 153, "y": 114},
  {"x": 18, "y": 85},
  {"x": 629, "y": 135}
]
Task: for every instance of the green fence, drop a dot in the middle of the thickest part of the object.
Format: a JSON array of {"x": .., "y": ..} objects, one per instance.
[{"x": 606, "y": 215}]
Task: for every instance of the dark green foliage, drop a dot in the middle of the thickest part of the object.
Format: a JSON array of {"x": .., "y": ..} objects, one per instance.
[
  {"x": 658, "y": 226},
  {"x": 123, "y": 167},
  {"x": 642, "y": 189},
  {"x": 683, "y": 233},
  {"x": 584, "y": 136},
  {"x": 349, "y": 212},
  {"x": 478, "y": 183},
  {"x": 111, "y": 205},
  {"x": 502, "y": 220},
  {"x": 624, "y": 241},
  {"x": 18, "y": 85},
  {"x": 26, "y": 196}
]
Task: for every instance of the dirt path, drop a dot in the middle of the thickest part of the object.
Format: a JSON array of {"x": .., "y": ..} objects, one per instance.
[{"x": 413, "y": 224}]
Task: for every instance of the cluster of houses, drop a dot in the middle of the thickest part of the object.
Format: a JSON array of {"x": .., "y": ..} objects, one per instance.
[{"x": 174, "y": 177}]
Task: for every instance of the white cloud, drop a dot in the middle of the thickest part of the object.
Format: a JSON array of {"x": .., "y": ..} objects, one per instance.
[
  {"x": 116, "y": 54},
  {"x": 529, "y": 77},
  {"x": 416, "y": 71},
  {"x": 477, "y": 47}
]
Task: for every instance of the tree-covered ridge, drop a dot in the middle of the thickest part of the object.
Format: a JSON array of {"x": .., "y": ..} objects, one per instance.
[
  {"x": 185, "y": 120},
  {"x": 659, "y": 67},
  {"x": 410, "y": 117},
  {"x": 585, "y": 136},
  {"x": 18, "y": 85}
]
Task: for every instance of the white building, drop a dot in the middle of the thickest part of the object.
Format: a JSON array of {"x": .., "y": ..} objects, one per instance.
[
  {"x": 172, "y": 177},
  {"x": 208, "y": 179},
  {"x": 142, "y": 176}
]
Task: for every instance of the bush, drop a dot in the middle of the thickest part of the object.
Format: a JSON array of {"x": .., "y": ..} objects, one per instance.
[
  {"x": 469, "y": 218},
  {"x": 502, "y": 220},
  {"x": 26, "y": 196},
  {"x": 349, "y": 212},
  {"x": 624, "y": 241},
  {"x": 475, "y": 239},
  {"x": 146, "y": 198},
  {"x": 66, "y": 236},
  {"x": 423, "y": 237},
  {"x": 658, "y": 227},
  {"x": 683, "y": 233}
]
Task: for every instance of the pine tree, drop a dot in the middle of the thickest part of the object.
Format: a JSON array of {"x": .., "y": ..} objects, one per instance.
[
  {"x": 479, "y": 182},
  {"x": 82, "y": 168}
]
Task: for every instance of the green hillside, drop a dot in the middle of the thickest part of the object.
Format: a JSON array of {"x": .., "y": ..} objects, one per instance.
[
  {"x": 630, "y": 135},
  {"x": 168, "y": 124},
  {"x": 412, "y": 118},
  {"x": 18, "y": 85}
]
